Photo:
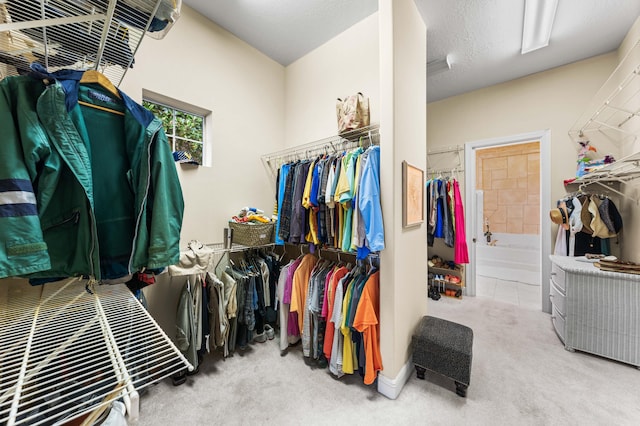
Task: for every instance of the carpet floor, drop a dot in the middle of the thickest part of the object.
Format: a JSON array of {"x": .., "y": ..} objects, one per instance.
[{"x": 521, "y": 375}]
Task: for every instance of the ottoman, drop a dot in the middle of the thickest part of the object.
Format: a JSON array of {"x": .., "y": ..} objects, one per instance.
[{"x": 443, "y": 347}]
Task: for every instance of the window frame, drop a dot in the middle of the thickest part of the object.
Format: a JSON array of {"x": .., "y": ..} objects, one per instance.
[{"x": 175, "y": 106}]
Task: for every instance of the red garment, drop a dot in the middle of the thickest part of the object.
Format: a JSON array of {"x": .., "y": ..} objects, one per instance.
[
  {"x": 330, "y": 327},
  {"x": 461, "y": 253}
]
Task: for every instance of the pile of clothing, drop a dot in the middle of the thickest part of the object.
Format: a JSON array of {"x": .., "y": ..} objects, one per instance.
[{"x": 250, "y": 215}]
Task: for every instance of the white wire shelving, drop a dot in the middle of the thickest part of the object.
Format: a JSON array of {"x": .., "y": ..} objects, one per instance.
[
  {"x": 80, "y": 34},
  {"x": 68, "y": 349}
]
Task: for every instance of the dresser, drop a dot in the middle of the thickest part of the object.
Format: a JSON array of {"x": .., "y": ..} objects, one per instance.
[{"x": 595, "y": 311}]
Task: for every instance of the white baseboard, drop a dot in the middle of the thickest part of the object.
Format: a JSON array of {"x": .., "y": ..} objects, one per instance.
[{"x": 391, "y": 387}]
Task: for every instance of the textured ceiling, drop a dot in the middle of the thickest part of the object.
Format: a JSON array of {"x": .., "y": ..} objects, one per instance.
[{"x": 483, "y": 38}]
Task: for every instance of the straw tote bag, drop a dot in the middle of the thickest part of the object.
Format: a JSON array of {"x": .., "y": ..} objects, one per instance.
[{"x": 352, "y": 113}]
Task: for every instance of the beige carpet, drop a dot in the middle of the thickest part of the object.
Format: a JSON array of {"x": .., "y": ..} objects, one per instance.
[{"x": 521, "y": 375}]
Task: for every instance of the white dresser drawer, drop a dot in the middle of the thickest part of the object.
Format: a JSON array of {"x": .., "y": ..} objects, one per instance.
[
  {"x": 557, "y": 297},
  {"x": 558, "y": 323},
  {"x": 558, "y": 276}
]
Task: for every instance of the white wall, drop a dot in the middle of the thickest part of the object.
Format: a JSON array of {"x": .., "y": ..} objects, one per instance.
[
  {"x": 403, "y": 270},
  {"x": 203, "y": 65},
  {"x": 343, "y": 66}
]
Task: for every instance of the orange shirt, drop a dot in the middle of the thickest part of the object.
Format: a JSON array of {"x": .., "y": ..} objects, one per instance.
[
  {"x": 300, "y": 287},
  {"x": 366, "y": 321}
]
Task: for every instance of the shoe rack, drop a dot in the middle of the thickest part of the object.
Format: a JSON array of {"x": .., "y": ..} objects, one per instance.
[{"x": 446, "y": 277}]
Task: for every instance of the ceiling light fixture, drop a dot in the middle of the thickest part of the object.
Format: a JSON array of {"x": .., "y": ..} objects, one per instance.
[
  {"x": 438, "y": 66},
  {"x": 538, "y": 21}
]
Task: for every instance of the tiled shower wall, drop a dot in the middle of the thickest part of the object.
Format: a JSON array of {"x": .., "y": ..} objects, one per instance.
[{"x": 510, "y": 178}]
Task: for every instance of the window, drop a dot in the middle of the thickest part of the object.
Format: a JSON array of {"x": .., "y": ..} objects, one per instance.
[{"x": 185, "y": 130}]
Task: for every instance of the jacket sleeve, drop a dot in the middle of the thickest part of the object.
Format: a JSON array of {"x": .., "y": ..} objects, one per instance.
[
  {"x": 167, "y": 207},
  {"x": 22, "y": 143}
]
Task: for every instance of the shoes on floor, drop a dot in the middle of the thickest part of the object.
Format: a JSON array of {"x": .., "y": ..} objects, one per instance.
[
  {"x": 269, "y": 332},
  {"x": 260, "y": 337},
  {"x": 179, "y": 378},
  {"x": 434, "y": 293}
]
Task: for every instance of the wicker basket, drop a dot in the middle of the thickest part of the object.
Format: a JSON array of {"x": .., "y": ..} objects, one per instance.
[{"x": 252, "y": 235}]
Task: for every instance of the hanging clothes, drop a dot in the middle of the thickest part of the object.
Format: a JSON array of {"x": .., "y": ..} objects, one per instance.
[
  {"x": 188, "y": 325},
  {"x": 461, "y": 253},
  {"x": 445, "y": 216},
  {"x": 332, "y": 200},
  {"x": 592, "y": 221}
]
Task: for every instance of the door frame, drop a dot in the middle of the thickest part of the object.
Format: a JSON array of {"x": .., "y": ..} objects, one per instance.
[{"x": 544, "y": 137}]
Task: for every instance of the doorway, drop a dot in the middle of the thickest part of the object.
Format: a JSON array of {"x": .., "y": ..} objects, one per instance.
[{"x": 499, "y": 188}]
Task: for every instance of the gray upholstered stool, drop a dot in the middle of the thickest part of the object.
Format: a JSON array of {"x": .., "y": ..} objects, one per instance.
[{"x": 444, "y": 347}]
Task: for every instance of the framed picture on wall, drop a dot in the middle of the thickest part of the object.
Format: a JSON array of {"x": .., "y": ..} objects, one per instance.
[{"x": 412, "y": 195}]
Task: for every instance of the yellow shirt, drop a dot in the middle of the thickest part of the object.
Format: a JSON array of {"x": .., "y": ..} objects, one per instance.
[
  {"x": 343, "y": 181},
  {"x": 306, "y": 194}
]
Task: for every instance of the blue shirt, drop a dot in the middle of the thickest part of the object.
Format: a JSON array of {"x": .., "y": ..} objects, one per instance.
[{"x": 369, "y": 201}]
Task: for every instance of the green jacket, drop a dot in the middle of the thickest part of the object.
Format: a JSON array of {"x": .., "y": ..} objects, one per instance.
[{"x": 83, "y": 191}]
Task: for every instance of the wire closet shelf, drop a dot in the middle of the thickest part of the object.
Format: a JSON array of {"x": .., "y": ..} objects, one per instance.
[
  {"x": 364, "y": 136},
  {"x": 442, "y": 156},
  {"x": 80, "y": 34},
  {"x": 68, "y": 349}
]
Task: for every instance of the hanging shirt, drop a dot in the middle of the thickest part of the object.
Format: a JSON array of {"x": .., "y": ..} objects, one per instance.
[
  {"x": 369, "y": 203},
  {"x": 461, "y": 253},
  {"x": 331, "y": 296},
  {"x": 306, "y": 194},
  {"x": 367, "y": 322},
  {"x": 347, "y": 347},
  {"x": 298, "y": 212},
  {"x": 285, "y": 210},
  {"x": 354, "y": 202},
  {"x": 336, "y": 360},
  {"x": 282, "y": 183},
  {"x": 300, "y": 287}
]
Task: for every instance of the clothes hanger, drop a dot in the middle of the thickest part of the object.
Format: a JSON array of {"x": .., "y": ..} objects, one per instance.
[{"x": 95, "y": 77}]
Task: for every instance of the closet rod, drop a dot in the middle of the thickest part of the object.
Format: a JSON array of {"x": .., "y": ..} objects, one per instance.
[
  {"x": 332, "y": 144},
  {"x": 449, "y": 171},
  {"x": 446, "y": 150},
  {"x": 332, "y": 141},
  {"x": 219, "y": 248},
  {"x": 597, "y": 182}
]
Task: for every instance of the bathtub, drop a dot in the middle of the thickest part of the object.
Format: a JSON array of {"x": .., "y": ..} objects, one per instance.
[{"x": 514, "y": 257}]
